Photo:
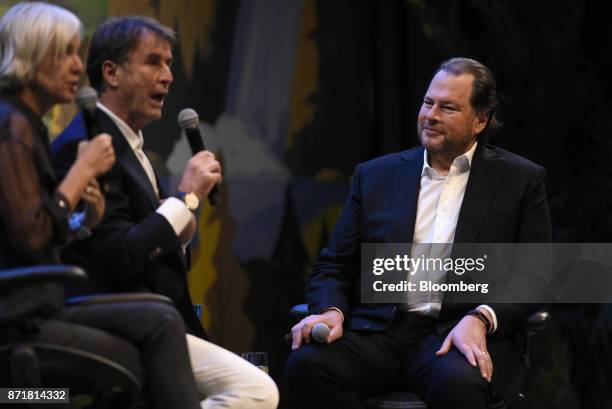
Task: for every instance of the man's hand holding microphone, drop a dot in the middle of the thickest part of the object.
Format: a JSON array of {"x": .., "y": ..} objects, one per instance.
[{"x": 324, "y": 328}]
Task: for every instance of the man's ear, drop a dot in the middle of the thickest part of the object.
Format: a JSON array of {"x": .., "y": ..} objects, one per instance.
[
  {"x": 480, "y": 122},
  {"x": 110, "y": 73}
]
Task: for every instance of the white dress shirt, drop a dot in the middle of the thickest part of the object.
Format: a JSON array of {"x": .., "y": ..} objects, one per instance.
[
  {"x": 172, "y": 209},
  {"x": 439, "y": 203}
]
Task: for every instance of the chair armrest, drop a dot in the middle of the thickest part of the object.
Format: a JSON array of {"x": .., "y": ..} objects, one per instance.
[
  {"x": 90, "y": 375},
  {"x": 536, "y": 321},
  {"x": 46, "y": 272},
  {"x": 117, "y": 298},
  {"x": 299, "y": 311}
]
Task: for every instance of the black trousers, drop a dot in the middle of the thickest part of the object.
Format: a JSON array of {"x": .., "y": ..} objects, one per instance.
[
  {"x": 361, "y": 364},
  {"x": 148, "y": 338}
]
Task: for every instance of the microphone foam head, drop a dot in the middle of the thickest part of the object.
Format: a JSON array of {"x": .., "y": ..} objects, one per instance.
[
  {"x": 320, "y": 332},
  {"x": 86, "y": 98},
  {"x": 188, "y": 118}
]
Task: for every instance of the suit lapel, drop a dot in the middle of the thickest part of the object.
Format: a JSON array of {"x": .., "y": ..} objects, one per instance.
[
  {"x": 485, "y": 172},
  {"x": 127, "y": 158},
  {"x": 406, "y": 195}
]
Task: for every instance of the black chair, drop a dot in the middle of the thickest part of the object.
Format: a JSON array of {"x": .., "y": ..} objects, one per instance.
[
  {"x": 115, "y": 298},
  {"x": 94, "y": 381},
  {"x": 410, "y": 400}
]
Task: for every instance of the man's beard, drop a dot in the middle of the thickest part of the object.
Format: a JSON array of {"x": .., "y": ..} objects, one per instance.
[
  {"x": 442, "y": 145},
  {"x": 431, "y": 145}
]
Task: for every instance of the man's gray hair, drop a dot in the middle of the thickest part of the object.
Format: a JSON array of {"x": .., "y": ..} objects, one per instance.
[{"x": 27, "y": 31}]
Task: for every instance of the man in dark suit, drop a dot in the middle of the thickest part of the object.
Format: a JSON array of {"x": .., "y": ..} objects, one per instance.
[
  {"x": 452, "y": 189},
  {"x": 142, "y": 241}
]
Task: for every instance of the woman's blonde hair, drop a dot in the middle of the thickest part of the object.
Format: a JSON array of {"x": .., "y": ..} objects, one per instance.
[{"x": 27, "y": 31}]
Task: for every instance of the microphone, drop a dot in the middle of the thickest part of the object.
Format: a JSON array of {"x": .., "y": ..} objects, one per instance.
[
  {"x": 86, "y": 100},
  {"x": 189, "y": 122},
  {"x": 320, "y": 332}
]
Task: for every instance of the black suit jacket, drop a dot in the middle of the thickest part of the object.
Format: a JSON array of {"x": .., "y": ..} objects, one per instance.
[
  {"x": 504, "y": 202},
  {"x": 133, "y": 248}
]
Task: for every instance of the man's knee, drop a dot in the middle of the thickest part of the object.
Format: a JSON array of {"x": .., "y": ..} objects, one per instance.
[
  {"x": 467, "y": 383},
  {"x": 162, "y": 315},
  {"x": 268, "y": 395},
  {"x": 311, "y": 367},
  {"x": 159, "y": 308},
  {"x": 460, "y": 384},
  {"x": 303, "y": 364}
]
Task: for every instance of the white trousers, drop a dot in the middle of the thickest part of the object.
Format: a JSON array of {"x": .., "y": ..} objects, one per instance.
[{"x": 227, "y": 381}]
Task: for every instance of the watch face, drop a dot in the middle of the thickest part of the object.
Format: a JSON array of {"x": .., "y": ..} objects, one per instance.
[{"x": 191, "y": 201}]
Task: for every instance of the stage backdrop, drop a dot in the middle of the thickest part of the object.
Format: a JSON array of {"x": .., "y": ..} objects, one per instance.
[
  {"x": 292, "y": 94},
  {"x": 288, "y": 114}
]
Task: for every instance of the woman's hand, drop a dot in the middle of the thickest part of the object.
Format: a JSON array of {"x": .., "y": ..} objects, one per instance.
[
  {"x": 97, "y": 155},
  {"x": 95, "y": 204}
]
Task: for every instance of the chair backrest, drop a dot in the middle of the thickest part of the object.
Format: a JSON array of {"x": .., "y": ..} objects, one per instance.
[
  {"x": 91, "y": 378},
  {"x": 34, "y": 291}
]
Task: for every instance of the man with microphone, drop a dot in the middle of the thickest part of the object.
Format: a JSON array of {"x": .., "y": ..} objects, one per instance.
[{"x": 142, "y": 241}]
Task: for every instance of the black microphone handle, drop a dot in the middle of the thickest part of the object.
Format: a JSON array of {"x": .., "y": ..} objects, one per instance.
[
  {"x": 196, "y": 143},
  {"x": 92, "y": 127}
]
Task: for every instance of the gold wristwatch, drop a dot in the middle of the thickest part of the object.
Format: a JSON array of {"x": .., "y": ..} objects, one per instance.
[{"x": 190, "y": 199}]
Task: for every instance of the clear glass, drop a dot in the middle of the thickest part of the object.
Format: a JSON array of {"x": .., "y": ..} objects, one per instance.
[{"x": 259, "y": 359}]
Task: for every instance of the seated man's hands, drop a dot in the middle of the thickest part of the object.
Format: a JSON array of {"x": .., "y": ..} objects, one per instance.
[
  {"x": 301, "y": 331},
  {"x": 469, "y": 337},
  {"x": 201, "y": 174}
]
